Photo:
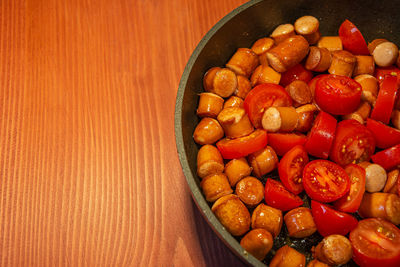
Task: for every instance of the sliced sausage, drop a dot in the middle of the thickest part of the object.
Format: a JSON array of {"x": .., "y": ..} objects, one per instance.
[
  {"x": 288, "y": 53},
  {"x": 232, "y": 214},
  {"x": 343, "y": 63},
  {"x": 264, "y": 74},
  {"x": 263, "y": 161},
  {"x": 332, "y": 43},
  {"x": 381, "y": 205},
  {"x": 282, "y": 32},
  {"x": 243, "y": 62},
  {"x": 236, "y": 169},
  {"x": 208, "y": 131},
  {"x": 250, "y": 191},
  {"x": 235, "y": 122},
  {"x": 308, "y": 27},
  {"x": 277, "y": 119},
  {"x": 267, "y": 218},
  {"x": 243, "y": 87},
  {"x": 258, "y": 242},
  {"x": 369, "y": 87},
  {"x": 262, "y": 45},
  {"x": 300, "y": 222},
  {"x": 209, "y": 161},
  {"x": 385, "y": 54},
  {"x": 319, "y": 59},
  {"x": 288, "y": 257},
  {"x": 391, "y": 183},
  {"x": 299, "y": 92},
  {"x": 375, "y": 177},
  {"x": 233, "y": 101},
  {"x": 215, "y": 186},
  {"x": 209, "y": 105},
  {"x": 364, "y": 65},
  {"x": 334, "y": 250}
]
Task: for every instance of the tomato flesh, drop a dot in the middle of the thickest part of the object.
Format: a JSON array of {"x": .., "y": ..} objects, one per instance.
[
  {"x": 298, "y": 72},
  {"x": 243, "y": 146},
  {"x": 330, "y": 221},
  {"x": 278, "y": 197},
  {"x": 353, "y": 143},
  {"x": 325, "y": 181},
  {"x": 263, "y": 96},
  {"x": 386, "y": 99},
  {"x": 376, "y": 242},
  {"x": 352, "y": 200},
  {"x": 291, "y": 167},
  {"x": 320, "y": 137},
  {"x": 283, "y": 142},
  {"x": 352, "y": 39},
  {"x": 388, "y": 158},
  {"x": 338, "y": 95},
  {"x": 385, "y": 136}
]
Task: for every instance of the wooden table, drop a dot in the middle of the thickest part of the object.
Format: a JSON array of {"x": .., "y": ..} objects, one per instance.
[{"x": 89, "y": 174}]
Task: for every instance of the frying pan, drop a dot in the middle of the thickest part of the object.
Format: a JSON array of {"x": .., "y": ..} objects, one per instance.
[{"x": 240, "y": 28}]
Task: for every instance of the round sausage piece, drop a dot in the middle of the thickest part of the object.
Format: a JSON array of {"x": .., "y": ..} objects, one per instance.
[
  {"x": 250, "y": 191},
  {"x": 258, "y": 242},
  {"x": 232, "y": 214},
  {"x": 334, "y": 250}
]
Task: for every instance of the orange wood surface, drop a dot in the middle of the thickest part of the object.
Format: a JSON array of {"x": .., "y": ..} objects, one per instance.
[{"x": 89, "y": 174}]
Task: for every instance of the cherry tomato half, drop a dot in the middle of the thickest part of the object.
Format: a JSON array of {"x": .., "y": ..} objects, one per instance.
[
  {"x": 352, "y": 200},
  {"x": 298, "y": 72},
  {"x": 385, "y": 136},
  {"x": 388, "y": 158},
  {"x": 278, "y": 197},
  {"x": 321, "y": 135},
  {"x": 338, "y": 95},
  {"x": 283, "y": 142},
  {"x": 330, "y": 221},
  {"x": 386, "y": 99},
  {"x": 325, "y": 181},
  {"x": 352, "y": 39},
  {"x": 376, "y": 242},
  {"x": 243, "y": 146},
  {"x": 263, "y": 96},
  {"x": 382, "y": 72},
  {"x": 291, "y": 167},
  {"x": 353, "y": 143}
]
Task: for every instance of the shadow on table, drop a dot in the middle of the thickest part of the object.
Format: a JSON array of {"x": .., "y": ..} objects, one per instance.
[{"x": 215, "y": 252}]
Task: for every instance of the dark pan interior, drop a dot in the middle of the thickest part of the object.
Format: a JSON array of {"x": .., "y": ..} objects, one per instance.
[{"x": 240, "y": 28}]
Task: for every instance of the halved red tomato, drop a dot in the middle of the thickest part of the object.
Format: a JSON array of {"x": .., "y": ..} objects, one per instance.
[
  {"x": 352, "y": 39},
  {"x": 382, "y": 72},
  {"x": 330, "y": 221},
  {"x": 243, "y": 146},
  {"x": 283, "y": 142},
  {"x": 352, "y": 200},
  {"x": 278, "y": 197},
  {"x": 376, "y": 242},
  {"x": 298, "y": 72},
  {"x": 338, "y": 95},
  {"x": 388, "y": 158},
  {"x": 321, "y": 135},
  {"x": 263, "y": 96},
  {"x": 291, "y": 167},
  {"x": 353, "y": 143},
  {"x": 386, "y": 99},
  {"x": 325, "y": 181},
  {"x": 385, "y": 136}
]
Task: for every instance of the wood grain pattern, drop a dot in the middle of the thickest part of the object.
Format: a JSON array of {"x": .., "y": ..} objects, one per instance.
[{"x": 89, "y": 174}]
